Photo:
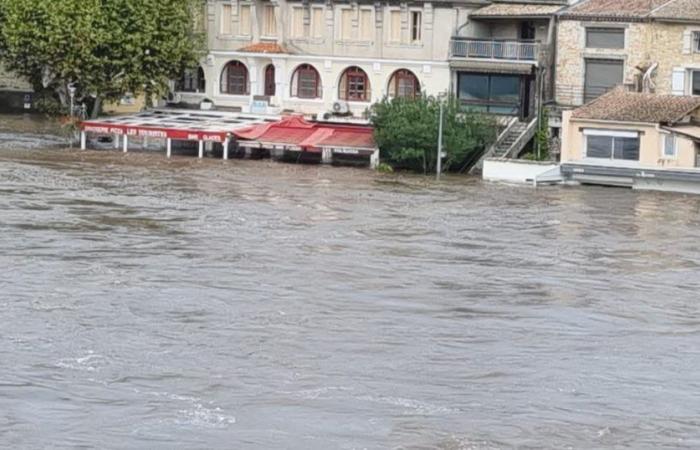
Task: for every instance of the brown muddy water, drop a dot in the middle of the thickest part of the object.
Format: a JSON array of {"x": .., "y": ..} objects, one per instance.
[{"x": 148, "y": 303}]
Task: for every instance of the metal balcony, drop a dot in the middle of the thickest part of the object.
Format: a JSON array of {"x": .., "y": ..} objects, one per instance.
[{"x": 495, "y": 49}]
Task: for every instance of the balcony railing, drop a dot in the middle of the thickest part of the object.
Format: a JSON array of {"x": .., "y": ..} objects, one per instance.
[{"x": 495, "y": 49}]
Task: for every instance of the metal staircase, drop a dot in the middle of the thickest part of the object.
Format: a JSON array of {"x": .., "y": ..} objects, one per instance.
[{"x": 510, "y": 142}]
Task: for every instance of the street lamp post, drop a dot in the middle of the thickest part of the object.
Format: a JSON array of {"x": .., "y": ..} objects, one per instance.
[
  {"x": 439, "y": 148},
  {"x": 71, "y": 92}
]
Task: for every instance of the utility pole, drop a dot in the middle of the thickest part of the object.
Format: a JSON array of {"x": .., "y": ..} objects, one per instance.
[{"x": 439, "y": 148}]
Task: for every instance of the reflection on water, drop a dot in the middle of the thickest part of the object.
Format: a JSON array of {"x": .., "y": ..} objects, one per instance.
[{"x": 149, "y": 303}]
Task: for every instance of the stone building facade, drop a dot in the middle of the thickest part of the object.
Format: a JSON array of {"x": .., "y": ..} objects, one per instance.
[{"x": 600, "y": 46}]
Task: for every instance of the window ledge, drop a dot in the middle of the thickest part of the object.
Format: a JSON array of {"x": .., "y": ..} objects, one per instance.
[
  {"x": 303, "y": 40},
  {"x": 305, "y": 100},
  {"x": 245, "y": 97},
  {"x": 231, "y": 37},
  {"x": 356, "y": 43},
  {"x": 404, "y": 45}
]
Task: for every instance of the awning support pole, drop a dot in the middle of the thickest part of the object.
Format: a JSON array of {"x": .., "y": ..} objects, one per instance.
[
  {"x": 201, "y": 149},
  {"x": 226, "y": 141},
  {"x": 374, "y": 160},
  {"x": 169, "y": 147},
  {"x": 83, "y": 140},
  {"x": 125, "y": 143}
]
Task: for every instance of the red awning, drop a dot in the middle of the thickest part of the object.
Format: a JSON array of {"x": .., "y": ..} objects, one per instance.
[{"x": 294, "y": 131}]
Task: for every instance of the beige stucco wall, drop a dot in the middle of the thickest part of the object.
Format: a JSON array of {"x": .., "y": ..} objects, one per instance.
[
  {"x": 433, "y": 77},
  {"x": 329, "y": 54},
  {"x": 645, "y": 43},
  {"x": 439, "y": 23},
  {"x": 650, "y": 145}
]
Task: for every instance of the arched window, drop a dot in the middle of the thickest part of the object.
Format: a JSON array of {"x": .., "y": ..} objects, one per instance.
[
  {"x": 306, "y": 82},
  {"x": 404, "y": 83},
  {"x": 354, "y": 85},
  {"x": 270, "y": 86},
  {"x": 191, "y": 81},
  {"x": 234, "y": 79}
]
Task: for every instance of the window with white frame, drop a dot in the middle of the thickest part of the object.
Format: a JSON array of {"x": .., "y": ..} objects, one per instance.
[
  {"x": 610, "y": 144},
  {"x": 695, "y": 82},
  {"x": 416, "y": 26},
  {"x": 669, "y": 146}
]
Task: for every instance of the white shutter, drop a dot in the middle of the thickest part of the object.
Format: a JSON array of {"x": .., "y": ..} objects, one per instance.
[
  {"x": 678, "y": 81},
  {"x": 687, "y": 42}
]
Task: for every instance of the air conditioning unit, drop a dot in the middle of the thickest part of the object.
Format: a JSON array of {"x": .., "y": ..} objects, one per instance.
[
  {"x": 174, "y": 98},
  {"x": 341, "y": 108}
]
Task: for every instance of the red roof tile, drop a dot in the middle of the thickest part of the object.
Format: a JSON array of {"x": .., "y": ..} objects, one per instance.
[{"x": 620, "y": 105}]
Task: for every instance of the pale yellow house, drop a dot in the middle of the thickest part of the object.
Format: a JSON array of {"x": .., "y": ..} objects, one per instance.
[
  {"x": 651, "y": 45},
  {"x": 645, "y": 141}
]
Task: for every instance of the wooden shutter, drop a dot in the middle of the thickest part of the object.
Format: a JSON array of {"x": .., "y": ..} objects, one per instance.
[
  {"x": 317, "y": 22},
  {"x": 687, "y": 42},
  {"x": 244, "y": 21},
  {"x": 395, "y": 26},
  {"x": 297, "y": 30},
  {"x": 225, "y": 19},
  {"x": 346, "y": 24},
  {"x": 678, "y": 81},
  {"x": 366, "y": 29}
]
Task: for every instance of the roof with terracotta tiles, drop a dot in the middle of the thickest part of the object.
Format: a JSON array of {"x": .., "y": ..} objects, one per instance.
[
  {"x": 620, "y": 105},
  {"x": 506, "y": 10},
  {"x": 681, "y": 10},
  {"x": 621, "y": 9},
  {"x": 263, "y": 47}
]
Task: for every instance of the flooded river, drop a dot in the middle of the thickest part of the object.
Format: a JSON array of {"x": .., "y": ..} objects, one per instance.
[{"x": 147, "y": 303}]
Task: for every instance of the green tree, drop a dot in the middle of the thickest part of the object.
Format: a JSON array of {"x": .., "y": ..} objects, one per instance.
[
  {"x": 406, "y": 131},
  {"x": 106, "y": 47}
]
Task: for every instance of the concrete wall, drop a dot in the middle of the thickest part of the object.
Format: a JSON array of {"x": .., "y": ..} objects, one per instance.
[
  {"x": 650, "y": 152},
  {"x": 515, "y": 170}
]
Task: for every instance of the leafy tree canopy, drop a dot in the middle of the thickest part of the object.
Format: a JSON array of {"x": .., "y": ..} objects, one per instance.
[
  {"x": 406, "y": 131},
  {"x": 106, "y": 47}
]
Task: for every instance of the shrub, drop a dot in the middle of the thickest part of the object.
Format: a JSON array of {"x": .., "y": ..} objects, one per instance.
[{"x": 406, "y": 131}]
